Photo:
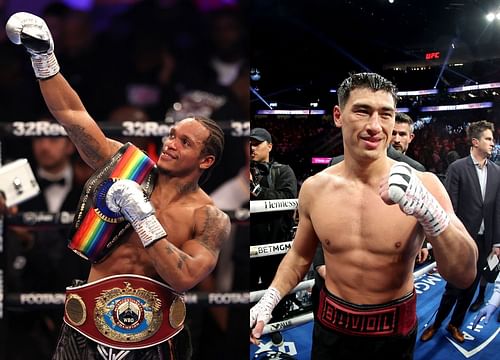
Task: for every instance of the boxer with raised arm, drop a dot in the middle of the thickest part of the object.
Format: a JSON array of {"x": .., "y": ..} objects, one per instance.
[
  {"x": 370, "y": 214},
  {"x": 131, "y": 306}
]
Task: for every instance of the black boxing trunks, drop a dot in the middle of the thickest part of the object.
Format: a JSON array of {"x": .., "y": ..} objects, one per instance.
[
  {"x": 96, "y": 229},
  {"x": 72, "y": 345},
  {"x": 125, "y": 311},
  {"x": 397, "y": 317}
]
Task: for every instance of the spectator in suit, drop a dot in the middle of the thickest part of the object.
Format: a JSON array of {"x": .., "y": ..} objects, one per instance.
[
  {"x": 54, "y": 174},
  {"x": 472, "y": 183},
  {"x": 402, "y": 134},
  {"x": 39, "y": 259}
]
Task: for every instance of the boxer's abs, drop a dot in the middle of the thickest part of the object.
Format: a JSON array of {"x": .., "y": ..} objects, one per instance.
[
  {"x": 369, "y": 247},
  {"x": 128, "y": 258}
]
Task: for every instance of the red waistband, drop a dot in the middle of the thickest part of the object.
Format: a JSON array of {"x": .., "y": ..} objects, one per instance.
[
  {"x": 125, "y": 311},
  {"x": 395, "y": 318}
]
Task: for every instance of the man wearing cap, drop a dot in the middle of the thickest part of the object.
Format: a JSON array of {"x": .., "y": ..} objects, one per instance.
[{"x": 269, "y": 180}]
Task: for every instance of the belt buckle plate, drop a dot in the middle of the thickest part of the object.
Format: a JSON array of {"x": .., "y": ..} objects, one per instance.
[{"x": 128, "y": 314}]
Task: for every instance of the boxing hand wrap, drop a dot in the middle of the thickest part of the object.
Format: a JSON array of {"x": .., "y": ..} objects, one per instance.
[
  {"x": 33, "y": 33},
  {"x": 406, "y": 189},
  {"x": 262, "y": 311},
  {"x": 128, "y": 198}
]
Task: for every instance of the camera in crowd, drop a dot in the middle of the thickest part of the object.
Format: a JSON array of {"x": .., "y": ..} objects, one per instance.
[{"x": 258, "y": 170}]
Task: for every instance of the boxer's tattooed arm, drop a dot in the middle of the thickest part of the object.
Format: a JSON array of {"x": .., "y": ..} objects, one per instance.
[
  {"x": 171, "y": 249},
  {"x": 87, "y": 146},
  {"x": 214, "y": 230}
]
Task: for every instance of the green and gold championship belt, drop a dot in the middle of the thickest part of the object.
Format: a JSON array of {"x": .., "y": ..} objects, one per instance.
[{"x": 96, "y": 229}]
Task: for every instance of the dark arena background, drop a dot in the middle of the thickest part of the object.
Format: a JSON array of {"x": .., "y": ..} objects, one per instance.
[
  {"x": 139, "y": 66},
  {"x": 444, "y": 58}
]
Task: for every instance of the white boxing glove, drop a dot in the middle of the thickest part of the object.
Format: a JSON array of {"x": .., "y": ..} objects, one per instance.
[
  {"x": 128, "y": 198},
  {"x": 33, "y": 33},
  {"x": 406, "y": 189}
]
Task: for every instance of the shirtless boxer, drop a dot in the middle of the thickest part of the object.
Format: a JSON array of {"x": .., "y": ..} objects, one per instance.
[
  {"x": 178, "y": 230},
  {"x": 367, "y": 307}
]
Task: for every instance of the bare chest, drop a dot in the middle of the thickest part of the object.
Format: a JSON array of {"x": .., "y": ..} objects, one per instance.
[
  {"x": 358, "y": 219},
  {"x": 178, "y": 222},
  {"x": 131, "y": 257}
]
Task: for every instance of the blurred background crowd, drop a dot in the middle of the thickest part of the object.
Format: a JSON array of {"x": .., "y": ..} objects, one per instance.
[{"x": 130, "y": 61}]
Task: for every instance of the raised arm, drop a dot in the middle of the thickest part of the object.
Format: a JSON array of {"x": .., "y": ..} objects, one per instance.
[
  {"x": 422, "y": 195},
  {"x": 63, "y": 102},
  {"x": 67, "y": 108},
  {"x": 454, "y": 249}
]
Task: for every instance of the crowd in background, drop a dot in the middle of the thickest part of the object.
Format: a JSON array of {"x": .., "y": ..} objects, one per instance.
[
  {"x": 151, "y": 55},
  {"x": 128, "y": 61},
  {"x": 299, "y": 139}
]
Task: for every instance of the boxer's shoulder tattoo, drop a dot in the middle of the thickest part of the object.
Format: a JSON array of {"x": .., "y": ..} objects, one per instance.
[
  {"x": 85, "y": 142},
  {"x": 215, "y": 229}
]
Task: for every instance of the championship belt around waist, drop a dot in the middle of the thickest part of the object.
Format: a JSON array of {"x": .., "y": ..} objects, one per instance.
[
  {"x": 397, "y": 317},
  {"x": 96, "y": 229},
  {"x": 125, "y": 312}
]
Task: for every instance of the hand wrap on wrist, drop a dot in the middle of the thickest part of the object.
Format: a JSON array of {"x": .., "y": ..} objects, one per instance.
[
  {"x": 149, "y": 230},
  {"x": 128, "y": 198},
  {"x": 262, "y": 311},
  {"x": 406, "y": 189},
  {"x": 45, "y": 65}
]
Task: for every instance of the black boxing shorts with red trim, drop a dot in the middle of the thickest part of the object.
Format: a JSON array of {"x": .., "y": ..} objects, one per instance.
[
  {"x": 397, "y": 317},
  {"x": 345, "y": 331},
  {"x": 126, "y": 312}
]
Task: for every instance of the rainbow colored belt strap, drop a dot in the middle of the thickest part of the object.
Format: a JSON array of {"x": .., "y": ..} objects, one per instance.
[{"x": 96, "y": 229}]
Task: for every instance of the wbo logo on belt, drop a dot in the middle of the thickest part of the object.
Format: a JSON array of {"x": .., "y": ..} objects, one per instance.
[
  {"x": 125, "y": 311},
  {"x": 128, "y": 314}
]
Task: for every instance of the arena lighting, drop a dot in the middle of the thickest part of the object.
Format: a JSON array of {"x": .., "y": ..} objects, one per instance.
[
  {"x": 256, "y": 93},
  {"x": 255, "y": 74},
  {"x": 482, "y": 105},
  {"x": 418, "y": 92},
  {"x": 403, "y": 110},
  {"x": 494, "y": 85},
  {"x": 291, "y": 112},
  {"x": 320, "y": 160},
  {"x": 490, "y": 17},
  {"x": 445, "y": 63},
  {"x": 391, "y": 1}
]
